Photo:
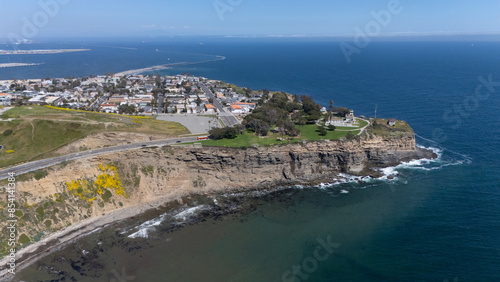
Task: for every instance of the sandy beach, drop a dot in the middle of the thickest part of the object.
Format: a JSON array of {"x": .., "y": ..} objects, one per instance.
[{"x": 11, "y": 65}]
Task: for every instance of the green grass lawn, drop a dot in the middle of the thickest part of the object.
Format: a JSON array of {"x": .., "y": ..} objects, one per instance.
[
  {"x": 308, "y": 132},
  {"x": 37, "y": 131},
  {"x": 247, "y": 139}
]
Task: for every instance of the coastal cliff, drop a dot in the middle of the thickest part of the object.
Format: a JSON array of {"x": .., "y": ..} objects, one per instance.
[{"x": 90, "y": 189}]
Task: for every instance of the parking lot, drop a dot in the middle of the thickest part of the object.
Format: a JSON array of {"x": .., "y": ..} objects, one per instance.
[{"x": 194, "y": 123}]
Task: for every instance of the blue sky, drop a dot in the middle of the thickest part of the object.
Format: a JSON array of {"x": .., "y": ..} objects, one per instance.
[{"x": 119, "y": 18}]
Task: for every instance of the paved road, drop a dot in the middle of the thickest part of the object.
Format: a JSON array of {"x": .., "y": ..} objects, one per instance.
[
  {"x": 159, "y": 108},
  {"x": 227, "y": 118},
  {"x": 36, "y": 165}
]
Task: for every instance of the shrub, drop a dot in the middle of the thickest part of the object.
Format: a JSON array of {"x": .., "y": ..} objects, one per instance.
[
  {"x": 41, "y": 174},
  {"x": 106, "y": 195},
  {"x": 322, "y": 130},
  {"x": 349, "y": 136},
  {"x": 40, "y": 213},
  {"x": 23, "y": 239},
  {"x": 48, "y": 223},
  {"x": 7, "y": 132},
  {"x": 38, "y": 236}
]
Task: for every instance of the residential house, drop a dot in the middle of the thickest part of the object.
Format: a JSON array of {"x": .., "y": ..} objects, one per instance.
[
  {"x": 5, "y": 99},
  {"x": 209, "y": 109},
  {"x": 108, "y": 108}
]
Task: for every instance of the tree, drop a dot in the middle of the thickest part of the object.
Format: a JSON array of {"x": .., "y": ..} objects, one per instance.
[
  {"x": 198, "y": 101},
  {"x": 279, "y": 100},
  {"x": 314, "y": 115},
  {"x": 331, "y": 127},
  {"x": 341, "y": 111},
  {"x": 221, "y": 133},
  {"x": 331, "y": 108},
  {"x": 272, "y": 115},
  {"x": 322, "y": 130},
  {"x": 290, "y": 128},
  {"x": 264, "y": 129},
  {"x": 309, "y": 105},
  {"x": 75, "y": 83},
  {"x": 328, "y": 115},
  {"x": 265, "y": 93},
  {"x": 127, "y": 109},
  {"x": 292, "y": 107},
  {"x": 216, "y": 133},
  {"x": 302, "y": 121}
]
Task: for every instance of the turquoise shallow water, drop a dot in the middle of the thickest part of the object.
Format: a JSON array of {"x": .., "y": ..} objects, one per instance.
[{"x": 435, "y": 222}]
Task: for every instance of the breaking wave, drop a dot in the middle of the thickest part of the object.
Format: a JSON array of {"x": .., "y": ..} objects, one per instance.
[
  {"x": 178, "y": 217},
  {"x": 392, "y": 174}
]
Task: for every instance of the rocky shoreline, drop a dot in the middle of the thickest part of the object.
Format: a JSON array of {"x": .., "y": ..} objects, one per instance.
[{"x": 176, "y": 172}]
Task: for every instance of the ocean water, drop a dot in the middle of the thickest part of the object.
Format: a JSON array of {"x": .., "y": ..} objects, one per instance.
[{"x": 437, "y": 221}]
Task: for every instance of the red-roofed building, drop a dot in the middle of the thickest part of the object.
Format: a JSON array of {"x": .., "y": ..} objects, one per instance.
[
  {"x": 246, "y": 106},
  {"x": 209, "y": 108},
  {"x": 236, "y": 109}
]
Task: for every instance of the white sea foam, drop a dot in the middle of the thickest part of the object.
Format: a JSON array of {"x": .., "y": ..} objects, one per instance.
[
  {"x": 144, "y": 228},
  {"x": 391, "y": 174},
  {"x": 186, "y": 214}
]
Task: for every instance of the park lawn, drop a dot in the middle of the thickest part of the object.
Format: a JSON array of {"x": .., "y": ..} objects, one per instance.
[
  {"x": 248, "y": 139},
  {"x": 309, "y": 132},
  {"x": 37, "y": 131}
]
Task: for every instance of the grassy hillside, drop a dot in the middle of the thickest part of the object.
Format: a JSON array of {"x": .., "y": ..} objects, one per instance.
[{"x": 30, "y": 132}]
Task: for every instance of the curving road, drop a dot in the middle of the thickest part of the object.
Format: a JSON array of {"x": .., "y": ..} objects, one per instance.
[{"x": 41, "y": 164}]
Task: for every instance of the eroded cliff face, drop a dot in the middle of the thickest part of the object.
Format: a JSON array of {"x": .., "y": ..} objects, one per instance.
[
  {"x": 154, "y": 172},
  {"x": 96, "y": 186},
  {"x": 215, "y": 168}
]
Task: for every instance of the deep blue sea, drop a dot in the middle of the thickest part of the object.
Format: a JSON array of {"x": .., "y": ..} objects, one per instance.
[{"x": 437, "y": 221}]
